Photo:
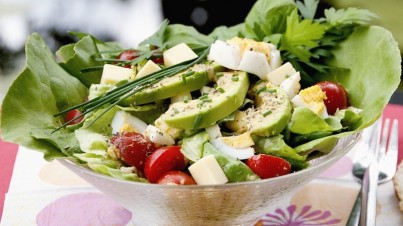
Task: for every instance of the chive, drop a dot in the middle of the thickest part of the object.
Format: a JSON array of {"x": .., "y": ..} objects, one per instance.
[
  {"x": 116, "y": 95},
  {"x": 221, "y": 90},
  {"x": 185, "y": 99},
  {"x": 271, "y": 90},
  {"x": 196, "y": 121},
  {"x": 183, "y": 78},
  {"x": 261, "y": 90},
  {"x": 267, "y": 113},
  {"x": 218, "y": 75},
  {"x": 204, "y": 96},
  {"x": 188, "y": 73},
  {"x": 206, "y": 100},
  {"x": 235, "y": 78}
]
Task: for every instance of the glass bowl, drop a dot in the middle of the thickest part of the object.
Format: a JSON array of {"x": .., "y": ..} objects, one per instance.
[{"x": 230, "y": 204}]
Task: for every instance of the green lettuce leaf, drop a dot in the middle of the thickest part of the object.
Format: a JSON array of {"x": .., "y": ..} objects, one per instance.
[
  {"x": 373, "y": 58},
  {"x": 82, "y": 55},
  {"x": 192, "y": 147},
  {"x": 41, "y": 90},
  {"x": 234, "y": 169},
  {"x": 303, "y": 116},
  {"x": 224, "y": 33},
  {"x": 267, "y": 18}
]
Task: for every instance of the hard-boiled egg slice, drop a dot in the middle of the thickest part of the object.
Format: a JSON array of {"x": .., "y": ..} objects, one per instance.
[
  {"x": 157, "y": 136},
  {"x": 225, "y": 54},
  {"x": 125, "y": 122},
  {"x": 275, "y": 59},
  {"x": 312, "y": 98},
  {"x": 214, "y": 131},
  {"x": 291, "y": 85},
  {"x": 255, "y": 63},
  {"x": 239, "y": 147}
]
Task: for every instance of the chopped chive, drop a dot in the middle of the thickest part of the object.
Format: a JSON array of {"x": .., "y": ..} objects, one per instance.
[
  {"x": 235, "y": 78},
  {"x": 196, "y": 121},
  {"x": 261, "y": 90},
  {"x": 183, "y": 79},
  {"x": 215, "y": 86},
  {"x": 271, "y": 90},
  {"x": 267, "y": 113},
  {"x": 218, "y": 75},
  {"x": 188, "y": 73},
  {"x": 221, "y": 90},
  {"x": 186, "y": 99},
  {"x": 204, "y": 96},
  {"x": 206, "y": 100},
  {"x": 115, "y": 96}
]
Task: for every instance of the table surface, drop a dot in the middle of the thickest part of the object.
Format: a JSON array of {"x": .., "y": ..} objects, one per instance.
[{"x": 16, "y": 192}]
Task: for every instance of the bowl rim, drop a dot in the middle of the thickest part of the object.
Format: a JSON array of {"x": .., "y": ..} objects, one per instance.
[{"x": 354, "y": 137}]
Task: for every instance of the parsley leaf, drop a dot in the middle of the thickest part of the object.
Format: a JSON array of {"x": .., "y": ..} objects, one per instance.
[
  {"x": 157, "y": 39},
  {"x": 348, "y": 16},
  {"x": 301, "y": 36},
  {"x": 308, "y": 8}
]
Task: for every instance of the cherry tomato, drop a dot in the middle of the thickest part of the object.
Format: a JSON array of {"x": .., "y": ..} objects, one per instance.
[
  {"x": 71, "y": 115},
  {"x": 133, "y": 148},
  {"x": 162, "y": 160},
  {"x": 176, "y": 177},
  {"x": 336, "y": 96},
  {"x": 127, "y": 55},
  {"x": 158, "y": 60},
  {"x": 268, "y": 166}
]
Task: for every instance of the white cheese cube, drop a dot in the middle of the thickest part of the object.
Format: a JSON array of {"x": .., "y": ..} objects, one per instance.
[
  {"x": 277, "y": 76},
  {"x": 112, "y": 74},
  {"x": 148, "y": 68},
  {"x": 207, "y": 171},
  {"x": 255, "y": 63},
  {"x": 178, "y": 54}
]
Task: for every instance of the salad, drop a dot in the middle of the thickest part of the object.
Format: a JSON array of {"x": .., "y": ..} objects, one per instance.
[{"x": 248, "y": 102}]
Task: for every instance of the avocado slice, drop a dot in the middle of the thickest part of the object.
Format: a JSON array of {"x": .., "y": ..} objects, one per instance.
[
  {"x": 189, "y": 80},
  {"x": 271, "y": 113},
  {"x": 229, "y": 95}
]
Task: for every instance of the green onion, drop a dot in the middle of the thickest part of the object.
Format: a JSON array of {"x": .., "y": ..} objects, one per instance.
[
  {"x": 267, "y": 113},
  {"x": 116, "y": 95},
  {"x": 235, "y": 78},
  {"x": 196, "y": 122}
]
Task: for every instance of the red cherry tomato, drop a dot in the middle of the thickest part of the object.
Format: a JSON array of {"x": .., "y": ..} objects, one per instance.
[
  {"x": 336, "y": 96},
  {"x": 133, "y": 148},
  {"x": 127, "y": 55},
  {"x": 162, "y": 160},
  {"x": 73, "y": 114},
  {"x": 176, "y": 177},
  {"x": 158, "y": 60},
  {"x": 268, "y": 166}
]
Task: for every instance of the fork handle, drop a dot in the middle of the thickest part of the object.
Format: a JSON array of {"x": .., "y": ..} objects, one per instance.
[
  {"x": 354, "y": 217},
  {"x": 369, "y": 184}
]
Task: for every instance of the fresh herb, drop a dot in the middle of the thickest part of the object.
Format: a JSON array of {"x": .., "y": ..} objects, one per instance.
[
  {"x": 267, "y": 113},
  {"x": 116, "y": 95}
]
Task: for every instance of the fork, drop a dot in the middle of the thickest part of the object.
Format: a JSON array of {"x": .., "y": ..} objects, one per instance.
[{"x": 365, "y": 164}]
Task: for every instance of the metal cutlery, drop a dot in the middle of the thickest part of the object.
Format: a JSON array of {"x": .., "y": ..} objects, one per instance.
[{"x": 372, "y": 166}]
